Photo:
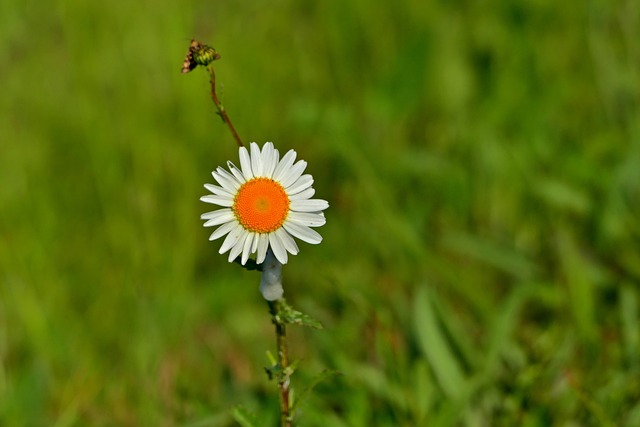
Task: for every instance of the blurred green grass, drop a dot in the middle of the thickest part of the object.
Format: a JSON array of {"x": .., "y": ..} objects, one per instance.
[{"x": 480, "y": 264}]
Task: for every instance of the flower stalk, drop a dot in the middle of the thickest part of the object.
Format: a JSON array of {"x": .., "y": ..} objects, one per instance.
[
  {"x": 221, "y": 111},
  {"x": 265, "y": 203},
  {"x": 284, "y": 371},
  {"x": 201, "y": 54}
]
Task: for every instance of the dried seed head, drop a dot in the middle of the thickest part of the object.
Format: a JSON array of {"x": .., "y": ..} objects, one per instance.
[{"x": 198, "y": 54}]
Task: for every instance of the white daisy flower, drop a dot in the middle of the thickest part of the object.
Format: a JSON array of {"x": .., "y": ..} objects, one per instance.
[{"x": 266, "y": 202}]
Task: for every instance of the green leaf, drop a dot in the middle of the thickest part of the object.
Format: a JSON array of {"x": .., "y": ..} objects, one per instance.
[
  {"x": 581, "y": 283},
  {"x": 322, "y": 376},
  {"x": 285, "y": 314},
  {"x": 504, "y": 322},
  {"x": 244, "y": 417},
  {"x": 435, "y": 346},
  {"x": 276, "y": 371},
  {"x": 630, "y": 327}
]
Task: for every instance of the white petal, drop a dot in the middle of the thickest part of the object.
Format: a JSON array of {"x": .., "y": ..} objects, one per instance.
[
  {"x": 246, "y": 249},
  {"x": 278, "y": 248},
  {"x": 227, "y": 174},
  {"x": 256, "y": 160},
  {"x": 217, "y": 217},
  {"x": 289, "y": 244},
  {"x": 218, "y": 190},
  {"x": 236, "y": 172},
  {"x": 299, "y": 185},
  {"x": 308, "y": 219},
  {"x": 268, "y": 157},
  {"x": 266, "y": 148},
  {"x": 232, "y": 238},
  {"x": 215, "y": 214},
  {"x": 226, "y": 180},
  {"x": 237, "y": 248},
  {"x": 254, "y": 246},
  {"x": 293, "y": 174},
  {"x": 310, "y": 205},
  {"x": 303, "y": 232},
  {"x": 245, "y": 163},
  {"x": 284, "y": 165},
  {"x": 218, "y": 200},
  {"x": 303, "y": 195},
  {"x": 223, "y": 229},
  {"x": 275, "y": 161},
  {"x": 263, "y": 245}
]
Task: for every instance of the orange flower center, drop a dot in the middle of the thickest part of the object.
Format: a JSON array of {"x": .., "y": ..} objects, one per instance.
[{"x": 261, "y": 205}]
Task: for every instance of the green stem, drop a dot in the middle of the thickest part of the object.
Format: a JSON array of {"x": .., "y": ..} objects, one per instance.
[
  {"x": 283, "y": 361},
  {"x": 221, "y": 111}
]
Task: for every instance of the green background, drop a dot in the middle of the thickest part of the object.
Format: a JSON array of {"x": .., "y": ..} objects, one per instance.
[{"x": 481, "y": 258}]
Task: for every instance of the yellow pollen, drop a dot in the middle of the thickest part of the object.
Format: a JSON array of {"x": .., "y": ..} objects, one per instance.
[{"x": 261, "y": 205}]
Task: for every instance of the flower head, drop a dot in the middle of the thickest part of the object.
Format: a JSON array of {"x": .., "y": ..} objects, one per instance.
[
  {"x": 198, "y": 54},
  {"x": 266, "y": 202}
]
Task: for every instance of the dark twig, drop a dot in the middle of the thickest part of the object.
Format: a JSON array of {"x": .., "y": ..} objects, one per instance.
[{"x": 221, "y": 111}]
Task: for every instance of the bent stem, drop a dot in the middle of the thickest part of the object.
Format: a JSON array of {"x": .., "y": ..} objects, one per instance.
[
  {"x": 221, "y": 111},
  {"x": 283, "y": 361}
]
